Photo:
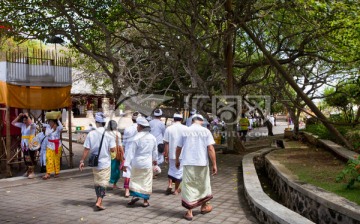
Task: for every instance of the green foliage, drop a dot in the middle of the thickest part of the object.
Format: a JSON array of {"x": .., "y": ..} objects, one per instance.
[
  {"x": 344, "y": 97},
  {"x": 277, "y": 108},
  {"x": 354, "y": 137},
  {"x": 351, "y": 173},
  {"x": 321, "y": 131}
]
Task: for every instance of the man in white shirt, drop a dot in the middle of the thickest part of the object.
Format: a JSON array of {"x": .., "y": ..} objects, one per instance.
[
  {"x": 172, "y": 136},
  {"x": 128, "y": 137},
  {"x": 157, "y": 129},
  {"x": 189, "y": 119},
  {"x": 272, "y": 120},
  {"x": 195, "y": 147},
  {"x": 94, "y": 140},
  {"x": 141, "y": 155}
]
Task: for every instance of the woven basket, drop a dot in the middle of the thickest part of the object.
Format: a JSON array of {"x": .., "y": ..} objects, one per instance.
[{"x": 52, "y": 115}]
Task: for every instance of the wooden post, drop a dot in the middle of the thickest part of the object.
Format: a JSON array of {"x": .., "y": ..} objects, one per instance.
[
  {"x": 2, "y": 149},
  {"x": 70, "y": 138},
  {"x": 8, "y": 142}
]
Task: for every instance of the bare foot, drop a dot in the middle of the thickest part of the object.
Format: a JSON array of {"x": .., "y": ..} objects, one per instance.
[
  {"x": 99, "y": 204},
  {"x": 127, "y": 193}
]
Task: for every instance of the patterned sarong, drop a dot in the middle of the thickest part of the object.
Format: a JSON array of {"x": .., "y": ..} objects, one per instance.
[
  {"x": 195, "y": 188},
  {"x": 101, "y": 177},
  {"x": 141, "y": 182}
]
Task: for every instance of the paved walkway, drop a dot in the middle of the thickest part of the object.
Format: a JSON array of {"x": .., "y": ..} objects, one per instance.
[{"x": 71, "y": 198}]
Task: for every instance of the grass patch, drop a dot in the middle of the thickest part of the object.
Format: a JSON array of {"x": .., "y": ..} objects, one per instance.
[{"x": 318, "y": 167}]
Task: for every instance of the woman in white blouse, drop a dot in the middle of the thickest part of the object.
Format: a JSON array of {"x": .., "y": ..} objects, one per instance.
[
  {"x": 28, "y": 129},
  {"x": 53, "y": 148}
]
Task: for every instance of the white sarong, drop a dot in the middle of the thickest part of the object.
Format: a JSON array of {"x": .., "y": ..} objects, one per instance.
[
  {"x": 101, "y": 177},
  {"x": 174, "y": 173},
  {"x": 127, "y": 174},
  {"x": 195, "y": 186}
]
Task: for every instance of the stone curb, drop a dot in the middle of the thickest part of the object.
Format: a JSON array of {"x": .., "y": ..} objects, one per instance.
[
  {"x": 258, "y": 200},
  {"x": 18, "y": 181},
  {"x": 326, "y": 199}
]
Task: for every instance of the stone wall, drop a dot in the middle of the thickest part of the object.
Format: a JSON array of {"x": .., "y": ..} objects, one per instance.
[
  {"x": 266, "y": 210},
  {"x": 260, "y": 214},
  {"x": 311, "y": 202}
]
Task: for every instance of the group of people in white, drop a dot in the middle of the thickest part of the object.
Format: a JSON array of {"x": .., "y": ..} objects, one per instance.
[{"x": 146, "y": 146}]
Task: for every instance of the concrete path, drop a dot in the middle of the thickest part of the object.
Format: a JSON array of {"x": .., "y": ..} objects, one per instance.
[{"x": 71, "y": 198}]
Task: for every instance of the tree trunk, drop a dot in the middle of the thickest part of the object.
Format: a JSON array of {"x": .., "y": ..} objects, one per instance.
[
  {"x": 295, "y": 120},
  {"x": 229, "y": 61},
  {"x": 296, "y": 88},
  {"x": 240, "y": 147}
]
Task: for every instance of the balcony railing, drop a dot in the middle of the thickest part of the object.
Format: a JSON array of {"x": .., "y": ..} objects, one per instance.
[{"x": 36, "y": 68}]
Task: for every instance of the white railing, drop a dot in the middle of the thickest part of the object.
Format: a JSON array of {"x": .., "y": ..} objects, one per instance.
[
  {"x": 35, "y": 74},
  {"x": 35, "y": 68}
]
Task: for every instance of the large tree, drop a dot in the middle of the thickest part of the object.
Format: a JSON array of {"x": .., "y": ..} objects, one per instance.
[{"x": 205, "y": 46}]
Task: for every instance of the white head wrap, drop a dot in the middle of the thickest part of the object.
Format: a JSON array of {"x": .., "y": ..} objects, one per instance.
[
  {"x": 176, "y": 115},
  {"x": 193, "y": 111},
  {"x": 142, "y": 121},
  {"x": 198, "y": 116},
  {"x": 100, "y": 117},
  {"x": 158, "y": 113}
]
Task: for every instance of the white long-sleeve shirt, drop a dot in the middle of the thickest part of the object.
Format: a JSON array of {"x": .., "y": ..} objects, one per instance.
[
  {"x": 53, "y": 134},
  {"x": 189, "y": 121},
  {"x": 25, "y": 131},
  {"x": 157, "y": 130},
  {"x": 142, "y": 151},
  {"x": 129, "y": 134}
]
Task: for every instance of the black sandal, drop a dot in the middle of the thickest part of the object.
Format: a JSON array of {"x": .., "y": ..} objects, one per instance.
[
  {"x": 168, "y": 191},
  {"x": 133, "y": 201}
]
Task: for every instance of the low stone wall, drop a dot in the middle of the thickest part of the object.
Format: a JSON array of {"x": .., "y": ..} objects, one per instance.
[
  {"x": 312, "y": 139},
  {"x": 311, "y": 202},
  {"x": 340, "y": 151},
  {"x": 266, "y": 210}
]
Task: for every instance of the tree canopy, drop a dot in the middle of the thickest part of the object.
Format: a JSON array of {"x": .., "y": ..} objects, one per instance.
[{"x": 210, "y": 47}]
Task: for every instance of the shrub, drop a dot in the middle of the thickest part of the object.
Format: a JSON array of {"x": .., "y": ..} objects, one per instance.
[
  {"x": 311, "y": 121},
  {"x": 351, "y": 172},
  {"x": 319, "y": 130},
  {"x": 354, "y": 137}
]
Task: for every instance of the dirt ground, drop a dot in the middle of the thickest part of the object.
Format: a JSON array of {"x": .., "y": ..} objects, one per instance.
[
  {"x": 317, "y": 163},
  {"x": 318, "y": 167}
]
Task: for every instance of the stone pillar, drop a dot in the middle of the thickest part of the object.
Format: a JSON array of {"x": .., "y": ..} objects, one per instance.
[
  {"x": 105, "y": 106},
  {"x": 89, "y": 114},
  {"x": 82, "y": 109}
]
